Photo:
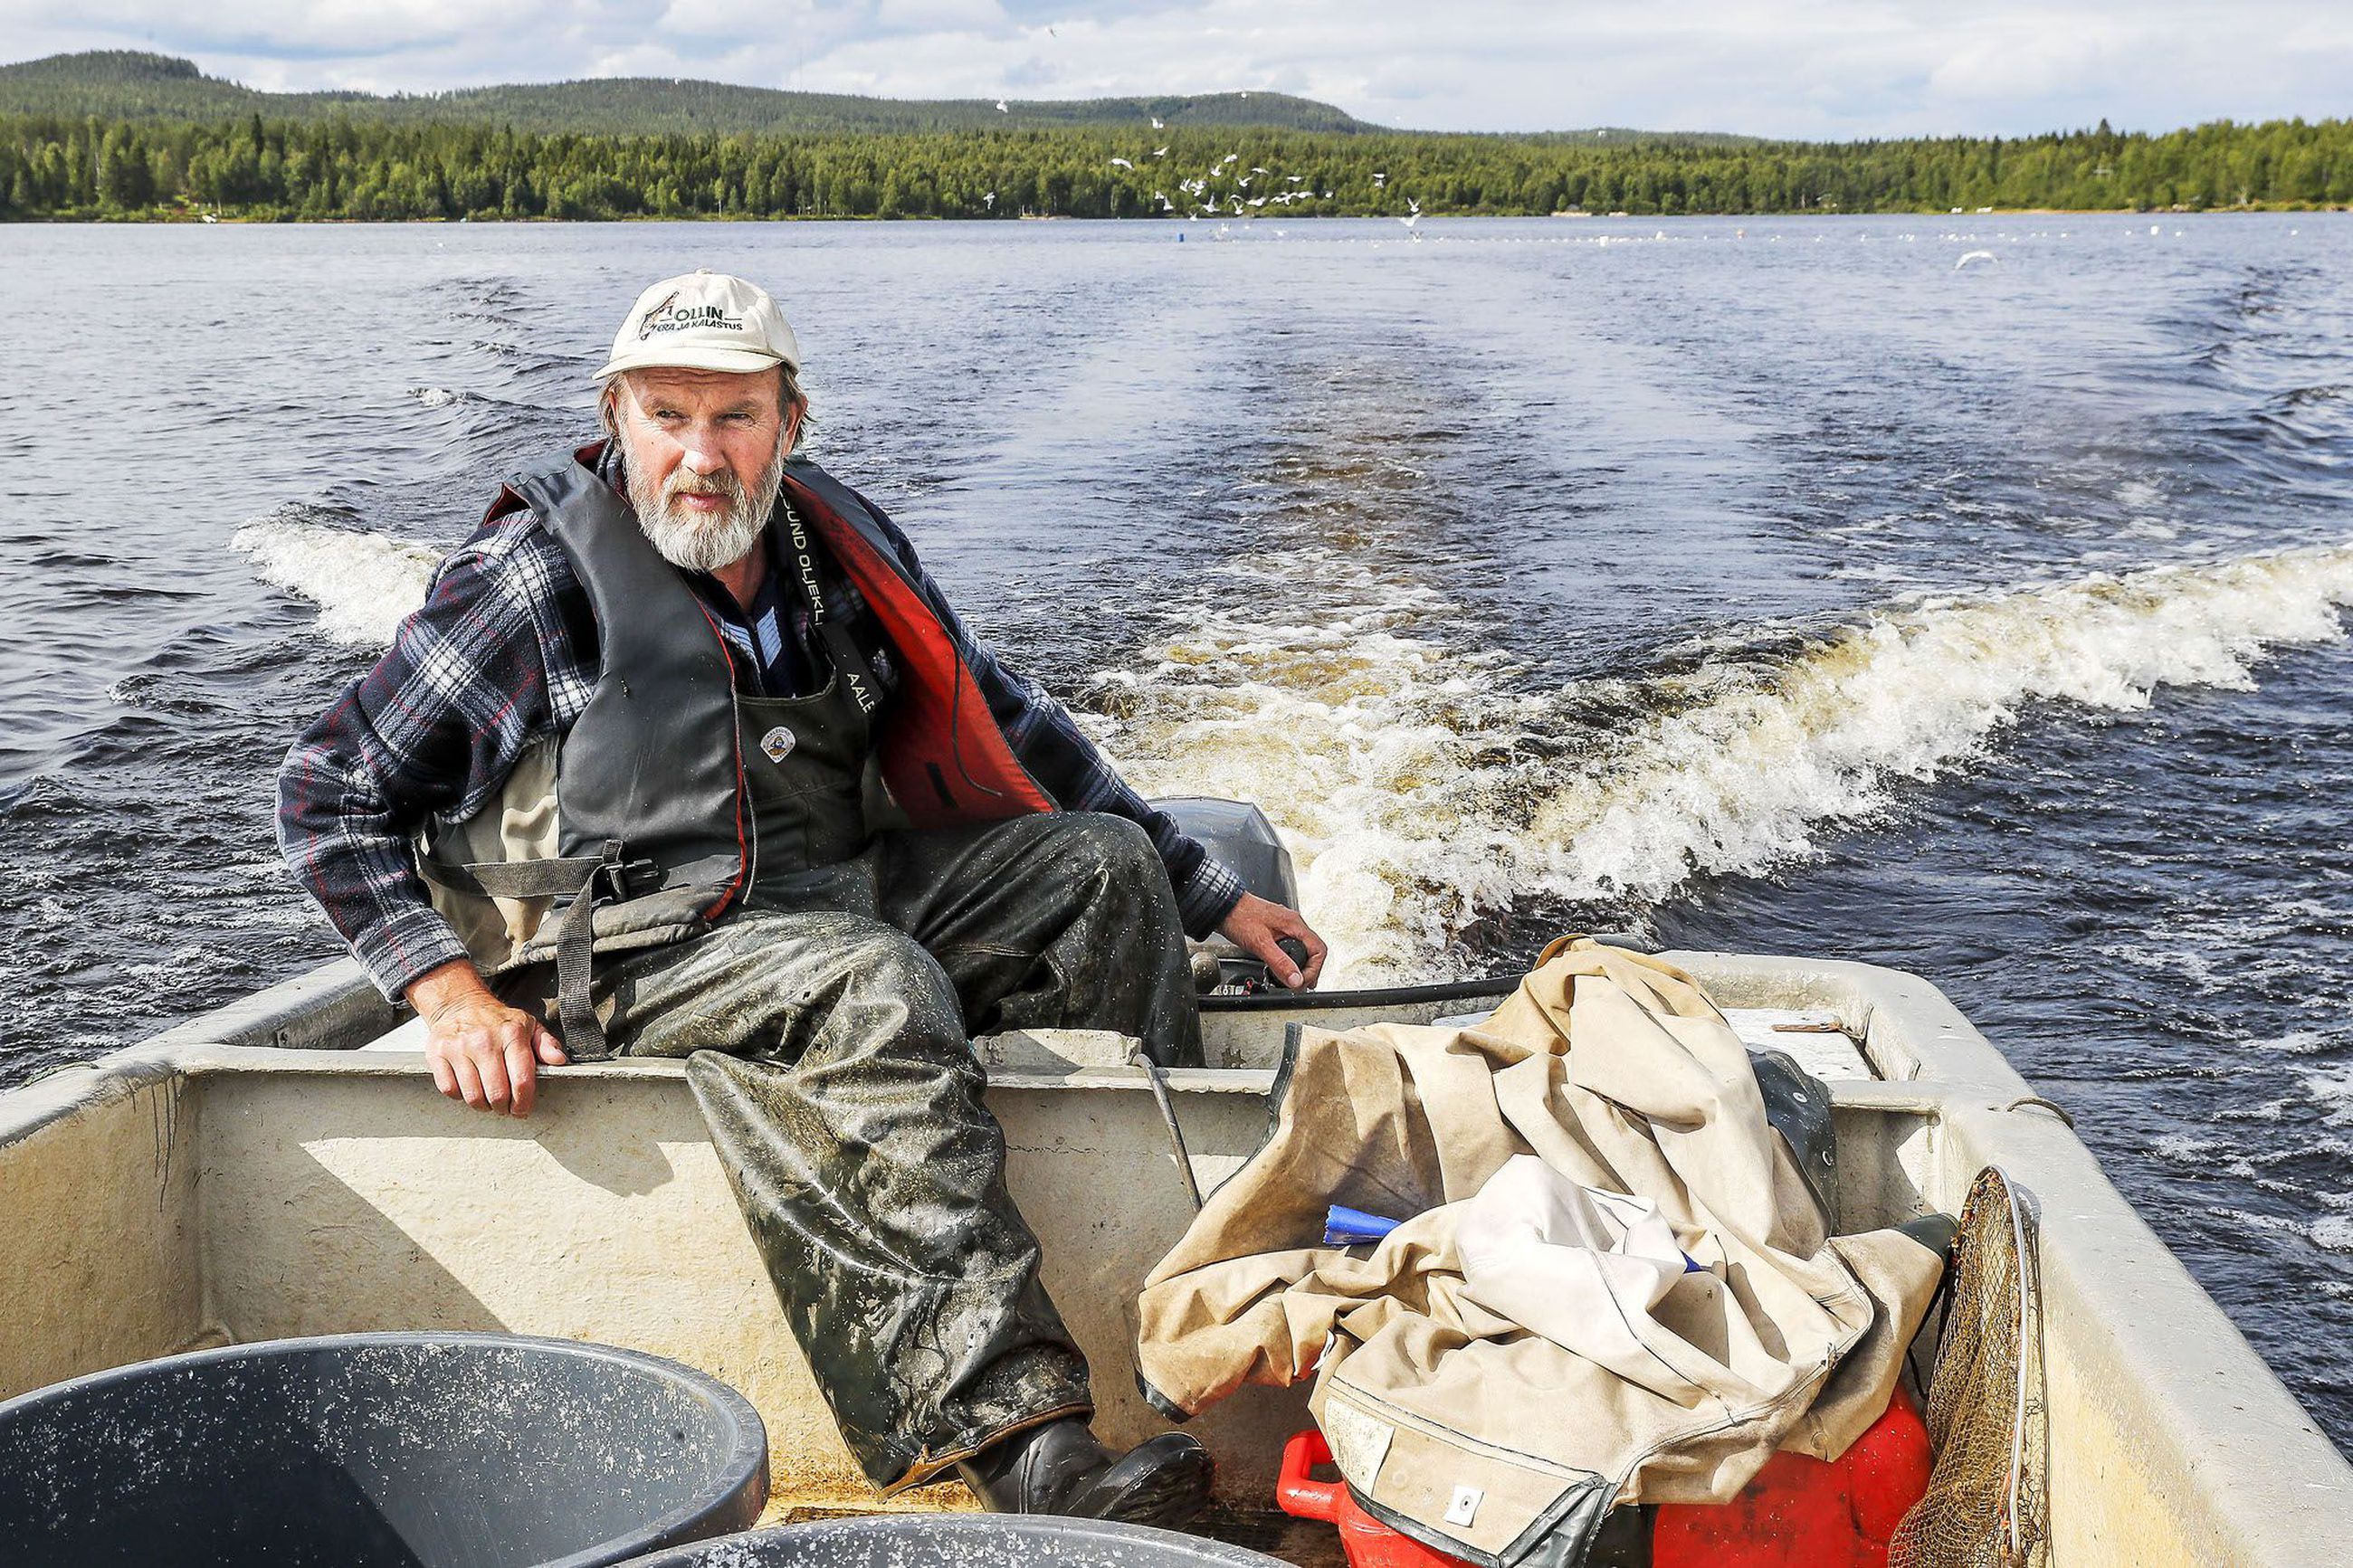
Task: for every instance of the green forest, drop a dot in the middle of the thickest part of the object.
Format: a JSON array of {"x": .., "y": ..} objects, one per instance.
[
  {"x": 163, "y": 150},
  {"x": 53, "y": 167}
]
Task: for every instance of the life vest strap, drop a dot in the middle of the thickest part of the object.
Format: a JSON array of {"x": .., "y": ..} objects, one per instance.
[
  {"x": 576, "y": 954},
  {"x": 558, "y": 878}
]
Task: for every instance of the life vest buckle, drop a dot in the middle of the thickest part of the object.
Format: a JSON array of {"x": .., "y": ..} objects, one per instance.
[{"x": 615, "y": 880}]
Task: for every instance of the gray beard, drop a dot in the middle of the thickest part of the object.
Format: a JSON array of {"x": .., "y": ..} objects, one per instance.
[{"x": 695, "y": 543}]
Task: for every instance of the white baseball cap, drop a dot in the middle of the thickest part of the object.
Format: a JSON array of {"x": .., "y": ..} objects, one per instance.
[{"x": 704, "y": 321}]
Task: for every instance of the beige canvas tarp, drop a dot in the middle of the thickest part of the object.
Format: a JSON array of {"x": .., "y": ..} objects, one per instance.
[{"x": 1448, "y": 1417}]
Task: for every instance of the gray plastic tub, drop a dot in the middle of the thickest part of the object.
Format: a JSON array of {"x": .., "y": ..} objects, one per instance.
[
  {"x": 958, "y": 1540},
  {"x": 361, "y": 1450}
]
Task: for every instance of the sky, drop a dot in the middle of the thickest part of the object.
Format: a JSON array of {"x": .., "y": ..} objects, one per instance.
[{"x": 1823, "y": 70}]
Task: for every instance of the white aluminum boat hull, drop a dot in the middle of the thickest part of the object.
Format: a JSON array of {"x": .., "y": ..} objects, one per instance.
[{"x": 251, "y": 1176}]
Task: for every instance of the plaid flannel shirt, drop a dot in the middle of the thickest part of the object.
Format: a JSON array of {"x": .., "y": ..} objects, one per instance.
[{"x": 504, "y": 651}]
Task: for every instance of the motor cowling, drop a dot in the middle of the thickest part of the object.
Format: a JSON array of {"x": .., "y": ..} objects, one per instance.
[{"x": 1238, "y": 836}]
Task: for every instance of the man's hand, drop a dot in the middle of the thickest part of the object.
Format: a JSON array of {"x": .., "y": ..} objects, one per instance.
[
  {"x": 482, "y": 1050},
  {"x": 1255, "y": 926}
]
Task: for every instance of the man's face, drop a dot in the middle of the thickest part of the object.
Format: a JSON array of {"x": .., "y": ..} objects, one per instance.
[{"x": 704, "y": 454}]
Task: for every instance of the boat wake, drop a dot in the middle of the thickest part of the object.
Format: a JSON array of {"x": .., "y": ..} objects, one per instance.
[
  {"x": 1422, "y": 790},
  {"x": 363, "y": 584}
]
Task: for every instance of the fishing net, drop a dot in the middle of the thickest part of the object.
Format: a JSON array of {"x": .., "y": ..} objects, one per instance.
[{"x": 1987, "y": 1502}]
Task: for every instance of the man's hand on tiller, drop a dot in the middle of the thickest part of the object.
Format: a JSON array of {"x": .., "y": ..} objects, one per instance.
[
  {"x": 1257, "y": 925},
  {"x": 482, "y": 1050}
]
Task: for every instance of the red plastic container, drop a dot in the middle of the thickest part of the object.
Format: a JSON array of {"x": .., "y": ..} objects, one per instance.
[
  {"x": 1801, "y": 1512},
  {"x": 1368, "y": 1543}
]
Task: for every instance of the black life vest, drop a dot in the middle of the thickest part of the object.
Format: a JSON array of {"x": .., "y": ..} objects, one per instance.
[{"x": 638, "y": 819}]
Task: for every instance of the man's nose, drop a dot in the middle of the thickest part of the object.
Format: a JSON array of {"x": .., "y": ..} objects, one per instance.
[{"x": 701, "y": 456}]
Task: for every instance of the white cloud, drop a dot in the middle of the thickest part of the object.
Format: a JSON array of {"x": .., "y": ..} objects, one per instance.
[
  {"x": 1795, "y": 68},
  {"x": 922, "y": 16}
]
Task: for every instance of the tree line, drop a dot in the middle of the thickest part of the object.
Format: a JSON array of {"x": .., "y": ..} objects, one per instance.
[{"x": 258, "y": 168}]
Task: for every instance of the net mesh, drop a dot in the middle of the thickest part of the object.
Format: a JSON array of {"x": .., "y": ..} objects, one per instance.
[{"x": 1986, "y": 1506}]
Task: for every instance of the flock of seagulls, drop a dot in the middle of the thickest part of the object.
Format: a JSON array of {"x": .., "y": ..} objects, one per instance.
[
  {"x": 1224, "y": 191},
  {"x": 1217, "y": 193},
  {"x": 1221, "y": 191}
]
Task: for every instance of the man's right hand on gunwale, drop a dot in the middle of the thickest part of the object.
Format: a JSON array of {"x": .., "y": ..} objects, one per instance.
[{"x": 482, "y": 1050}]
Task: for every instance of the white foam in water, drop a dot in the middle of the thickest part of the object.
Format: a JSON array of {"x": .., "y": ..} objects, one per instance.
[
  {"x": 1366, "y": 744},
  {"x": 363, "y": 584},
  {"x": 2334, "y": 1231},
  {"x": 2333, "y": 1092},
  {"x": 1393, "y": 768},
  {"x": 1744, "y": 778}
]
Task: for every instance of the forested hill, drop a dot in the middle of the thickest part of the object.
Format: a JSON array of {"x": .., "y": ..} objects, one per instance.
[
  {"x": 121, "y": 84},
  {"x": 173, "y": 144},
  {"x": 54, "y": 166}
]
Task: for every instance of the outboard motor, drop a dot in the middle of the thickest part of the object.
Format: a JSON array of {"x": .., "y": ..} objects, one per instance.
[{"x": 1237, "y": 834}]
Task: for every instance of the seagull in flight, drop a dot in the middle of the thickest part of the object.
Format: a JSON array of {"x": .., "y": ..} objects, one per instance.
[
  {"x": 1002, "y": 109},
  {"x": 1159, "y": 152},
  {"x": 1157, "y": 126},
  {"x": 1121, "y": 163}
]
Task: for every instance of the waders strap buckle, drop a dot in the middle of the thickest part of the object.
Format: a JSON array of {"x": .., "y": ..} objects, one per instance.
[{"x": 614, "y": 880}]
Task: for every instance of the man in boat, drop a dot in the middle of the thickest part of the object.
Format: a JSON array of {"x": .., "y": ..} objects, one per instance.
[{"x": 811, "y": 836}]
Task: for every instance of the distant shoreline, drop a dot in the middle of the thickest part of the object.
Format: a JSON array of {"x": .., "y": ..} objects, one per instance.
[
  {"x": 87, "y": 167},
  {"x": 247, "y": 220}
]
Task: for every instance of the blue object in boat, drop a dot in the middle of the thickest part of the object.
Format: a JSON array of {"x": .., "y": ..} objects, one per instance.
[{"x": 1345, "y": 1226}]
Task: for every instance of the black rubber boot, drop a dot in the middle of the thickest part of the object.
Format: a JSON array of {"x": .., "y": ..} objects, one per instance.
[{"x": 1059, "y": 1467}]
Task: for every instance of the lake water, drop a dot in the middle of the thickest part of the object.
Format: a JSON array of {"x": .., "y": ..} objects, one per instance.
[{"x": 1957, "y": 594}]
